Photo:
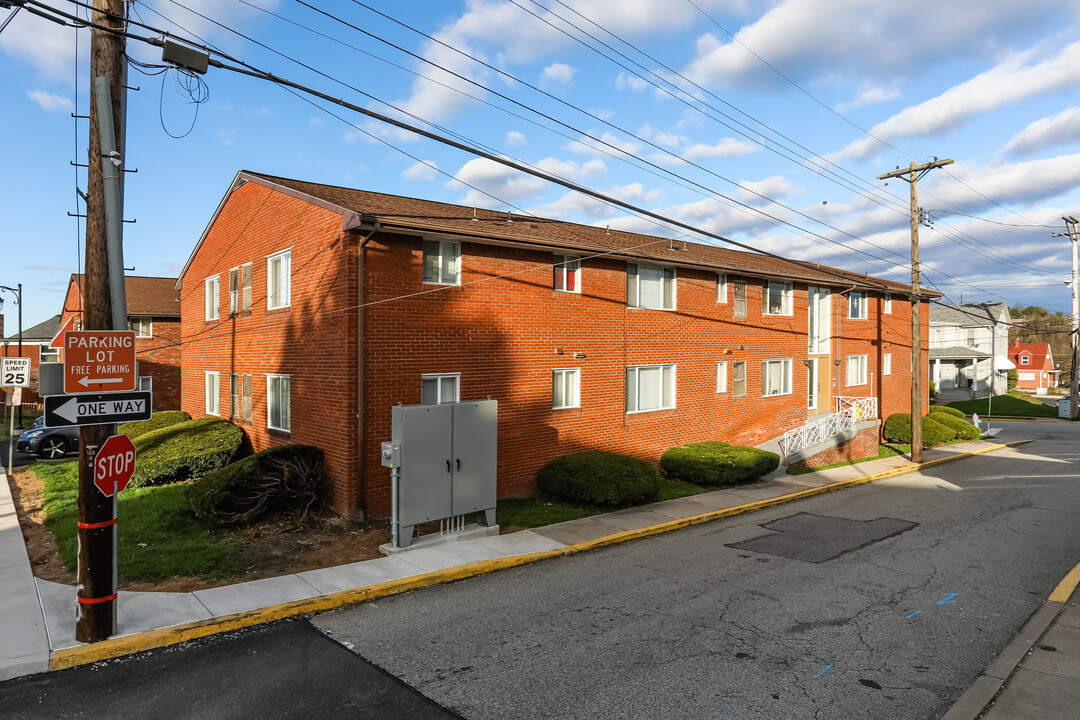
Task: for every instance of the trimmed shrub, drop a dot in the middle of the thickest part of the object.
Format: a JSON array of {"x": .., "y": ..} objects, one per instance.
[
  {"x": 158, "y": 420},
  {"x": 184, "y": 451},
  {"x": 963, "y": 429},
  {"x": 717, "y": 463},
  {"x": 898, "y": 430},
  {"x": 948, "y": 411},
  {"x": 596, "y": 477},
  {"x": 281, "y": 479}
]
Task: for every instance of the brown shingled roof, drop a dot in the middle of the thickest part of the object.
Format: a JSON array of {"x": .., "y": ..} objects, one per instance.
[
  {"x": 396, "y": 212},
  {"x": 148, "y": 296}
]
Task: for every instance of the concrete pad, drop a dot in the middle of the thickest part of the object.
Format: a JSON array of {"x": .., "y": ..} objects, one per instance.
[
  {"x": 1035, "y": 696},
  {"x": 1070, "y": 617},
  {"x": 471, "y": 532},
  {"x": 255, "y": 594},
  {"x": 635, "y": 518},
  {"x": 1018, "y": 647},
  {"x": 575, "y": 531},
  {"x": 23, "y": 637},
  {"x": 972, "y": 702},
  {"x": 522, "y": 542},
  {"x": 1063, "y": 660},
  {"x": 358, "y": 574},
  {"x": 447, "y": 556}
]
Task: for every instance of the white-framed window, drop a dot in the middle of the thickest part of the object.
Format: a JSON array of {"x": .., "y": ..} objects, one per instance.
[
  {"x": 567, "y": 271},
  {"x": 738, "y": 299},
  {"x": 245, "y": 288},
  {"x": 1025, "y": 359},
  {"x": 442, "y": 262},
  {"x": 143, "y": 327},
  {"x": 936, "y": 336},
  {"x": 278, "y": 411},
  {"x": 776, "y": 377},
  {"x": 278, "y": 280},
  {"x": 721, "y": 287},
  {"x": 887, "y": 308},
  {"x": 212, "y": 298},
  {"x": 565, "y": 386},
  {"x": 856, "y": 370},
  {"x": 819, "y": 301},
  {"x": 886, "y": 364},
  {"x": 48, "y": 354},
  {"x": 650, "y": 286},
  {"x": 650, "y": 387},
  {"x": 778, "y": 298},
  {"x": 234, "y": 291},
  {"x": 721, "y": 377},
  {"x": 738, "y": 379},
  {"x": 146, "y": 383},
  {"x": 213, "y": 383},
  {"x": 856, "y": 306},
  {"x": 234, "y": 396},
  {"x": 440, "y": 388},
  {"x": 1028, "y": 376}
]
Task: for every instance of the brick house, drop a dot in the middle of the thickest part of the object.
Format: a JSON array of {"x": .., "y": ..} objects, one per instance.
[
  {"x": 35, "y": 345},
  {"x": 1034, "y": 366},
  {"x": 308, "y": 311},
  {"x": 153, "y": 306}
]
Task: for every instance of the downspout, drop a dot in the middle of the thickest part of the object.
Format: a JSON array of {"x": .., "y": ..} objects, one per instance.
[{"x": 360, "y": 367}]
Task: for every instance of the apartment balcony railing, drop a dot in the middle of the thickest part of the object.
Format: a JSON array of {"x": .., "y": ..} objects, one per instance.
[{"x": 849, "y": 411}]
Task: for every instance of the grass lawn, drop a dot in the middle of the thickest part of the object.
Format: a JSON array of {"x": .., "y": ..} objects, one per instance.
[
  {"x": 1013, "y": 404},
  {"x": 884, "y": 451},
  {"x": 158, "y": 536}
]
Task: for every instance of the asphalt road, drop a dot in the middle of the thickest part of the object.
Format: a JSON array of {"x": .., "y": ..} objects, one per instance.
[{"x": 922, "y": 580}]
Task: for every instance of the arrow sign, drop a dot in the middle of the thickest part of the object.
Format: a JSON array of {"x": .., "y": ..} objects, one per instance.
[
  {"x": 99, "y": 360},
  {"x": 97, "y": 408}
]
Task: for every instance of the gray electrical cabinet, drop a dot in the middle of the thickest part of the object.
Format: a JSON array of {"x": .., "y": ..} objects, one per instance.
[{"x": 444, "y": 461}]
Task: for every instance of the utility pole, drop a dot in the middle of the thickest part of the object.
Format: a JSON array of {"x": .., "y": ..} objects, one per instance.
[
  {"x": 1071, "y": 232},
  {"x": 916, "y": 172},
  {"x": 95, "y": 614}
]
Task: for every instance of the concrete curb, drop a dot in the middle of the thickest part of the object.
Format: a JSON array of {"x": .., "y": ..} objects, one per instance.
[{"x": 138, "y": 642}]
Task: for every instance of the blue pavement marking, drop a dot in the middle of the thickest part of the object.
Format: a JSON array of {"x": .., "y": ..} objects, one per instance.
[
  {"x": 822, "y": 671},
  {"x": 947, "y": 598},
  {"x": 913, "y": 614}
]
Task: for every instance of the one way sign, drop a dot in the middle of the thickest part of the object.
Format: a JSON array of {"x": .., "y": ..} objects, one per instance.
[{"x": 97, "y": 408}]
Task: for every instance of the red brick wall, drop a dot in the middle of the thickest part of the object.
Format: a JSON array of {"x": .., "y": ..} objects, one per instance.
[
  {"x": 30, "y": 350},
  {"x": 864, "y": 445}
]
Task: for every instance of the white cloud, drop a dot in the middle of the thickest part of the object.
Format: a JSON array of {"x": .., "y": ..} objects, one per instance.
[
  {"x": 625, "y": 81},
  {"x": 607, "y": 144},
  {"x": 51, "y": 102},
  {"x": 1020, "y": 76},
  {"x": 48, "y": 47},
  {"x": 1061, "y": 129},
  {"x": 634, "y": 193},
  {"x": 726, "y": 147},
  {"x": 491, "y": 184},
  {"x": 869, "y": 96},
  {"x": 421, "y": 171},
  {"x": 558, "y": 74},
  {"x": 515, "y": 139}
]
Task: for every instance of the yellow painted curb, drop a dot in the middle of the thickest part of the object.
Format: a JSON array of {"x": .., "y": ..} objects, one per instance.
[
  {"x": 138, "y": 642},
  {"x": 1066, "y": 587}
]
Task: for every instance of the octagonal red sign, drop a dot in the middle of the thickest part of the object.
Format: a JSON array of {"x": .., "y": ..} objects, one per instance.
[{"x": 114, "y": 465}]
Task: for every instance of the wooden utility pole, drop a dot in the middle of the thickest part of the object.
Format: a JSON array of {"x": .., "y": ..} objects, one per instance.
[
  {"x": 95, "y": 614},
  {"x": 916, "y": 172},
  {"x": 1071, "y": 232}
]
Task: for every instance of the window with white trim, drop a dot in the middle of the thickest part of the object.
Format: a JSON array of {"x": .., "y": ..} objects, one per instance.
[
  {"x": 212, "y": 298},
  {"x": 738, "y": 379},
  {"x": 856, "y": 370},
  {"x": 1028, "y": 376},
  {"x": 565, "y": 384},
  {"x": 776, "y": 377},
  {"x": 567, "y": 271},
  {"x": 213, "y": 381},
  {"x": 146, "y": 383},
  {"x": 856, "y": 306},
  {"x": 278, "y": 280},
  {"x": 886, "y": 364},
  {"x": 440, "y": 388},
  {"x": 278, "y": 402},
  {"x": 48, "y": 354},
  {"x": 738, "y": 301},
  {"x": 721, "y": 287},
  {"x": 721, "y": 377},
  {"x": 143, "y": 327},
  {"x": 819, "y": 302},
  {"x": 245, "y": 288},
  {"x": 778, "y": 298},
  {"x": 1025, "y": 360},
  {"x": 650, "y": 286},
  {"x": 650, "y": 387},
  {"x": 234, "y": 291},
  {"x": 442, "y": 260},
  {"x": 887, "y": 308},
  {"x": 234, "y": 396}
]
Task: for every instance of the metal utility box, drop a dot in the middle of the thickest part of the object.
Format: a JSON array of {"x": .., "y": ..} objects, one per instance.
[
  {"x": 1064, "y": 407},
  {"x": 444, "y": 460}
]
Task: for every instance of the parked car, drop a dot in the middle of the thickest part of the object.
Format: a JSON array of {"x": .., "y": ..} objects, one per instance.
[{"x": 51, "y": 443}]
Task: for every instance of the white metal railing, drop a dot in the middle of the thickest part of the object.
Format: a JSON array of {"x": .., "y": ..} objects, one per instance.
[{"x": 849, "y": 410}]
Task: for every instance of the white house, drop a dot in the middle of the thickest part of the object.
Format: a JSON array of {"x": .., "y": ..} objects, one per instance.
[{"x": 969, "y": 349}]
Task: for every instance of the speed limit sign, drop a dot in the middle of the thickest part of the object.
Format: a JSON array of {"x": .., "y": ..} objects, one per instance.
[{"x": 15, "y": 372}]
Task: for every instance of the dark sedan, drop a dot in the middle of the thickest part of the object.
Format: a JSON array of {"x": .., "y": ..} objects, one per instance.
[{"x": 51, "y": 443}]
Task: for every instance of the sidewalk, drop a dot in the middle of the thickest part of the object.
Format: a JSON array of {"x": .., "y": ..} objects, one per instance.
[{"x": 37, "y": 618}]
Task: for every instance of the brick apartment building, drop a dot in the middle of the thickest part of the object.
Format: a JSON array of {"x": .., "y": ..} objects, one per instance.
[
  {"x": 153, "y": 306},
  {"x": 308, "y": 311},
  {"x": 35, "y": 345}
]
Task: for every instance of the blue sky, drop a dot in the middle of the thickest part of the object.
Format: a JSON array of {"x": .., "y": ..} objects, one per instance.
[{"x": 764, "y": 122}]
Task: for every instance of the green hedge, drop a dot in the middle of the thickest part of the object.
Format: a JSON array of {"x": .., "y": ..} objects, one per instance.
[
  {"x": 898, "y": 430},
  {"x": 948, "y": 411},
  {"x": 962, "y": 428},
  {"x": 596, "y": 477},
  {"x": 184, "y": 451},
  {"x": 717, "y": 463},
  {"x": 286, "y": 478},
  {"x": 158, "y": 420}
]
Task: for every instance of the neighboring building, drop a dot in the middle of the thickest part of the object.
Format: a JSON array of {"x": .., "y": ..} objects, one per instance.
[
  {"x": 35, "y": 345},
  {"x": 1034, "y": 366},
  {"x": 968, "y": 350},
  {"x": 309, "y": 311},
  {"x": 153, "y": 308}
]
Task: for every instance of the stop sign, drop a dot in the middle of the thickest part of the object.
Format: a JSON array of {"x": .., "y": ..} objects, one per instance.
[{"x": 114, "y": 464}]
